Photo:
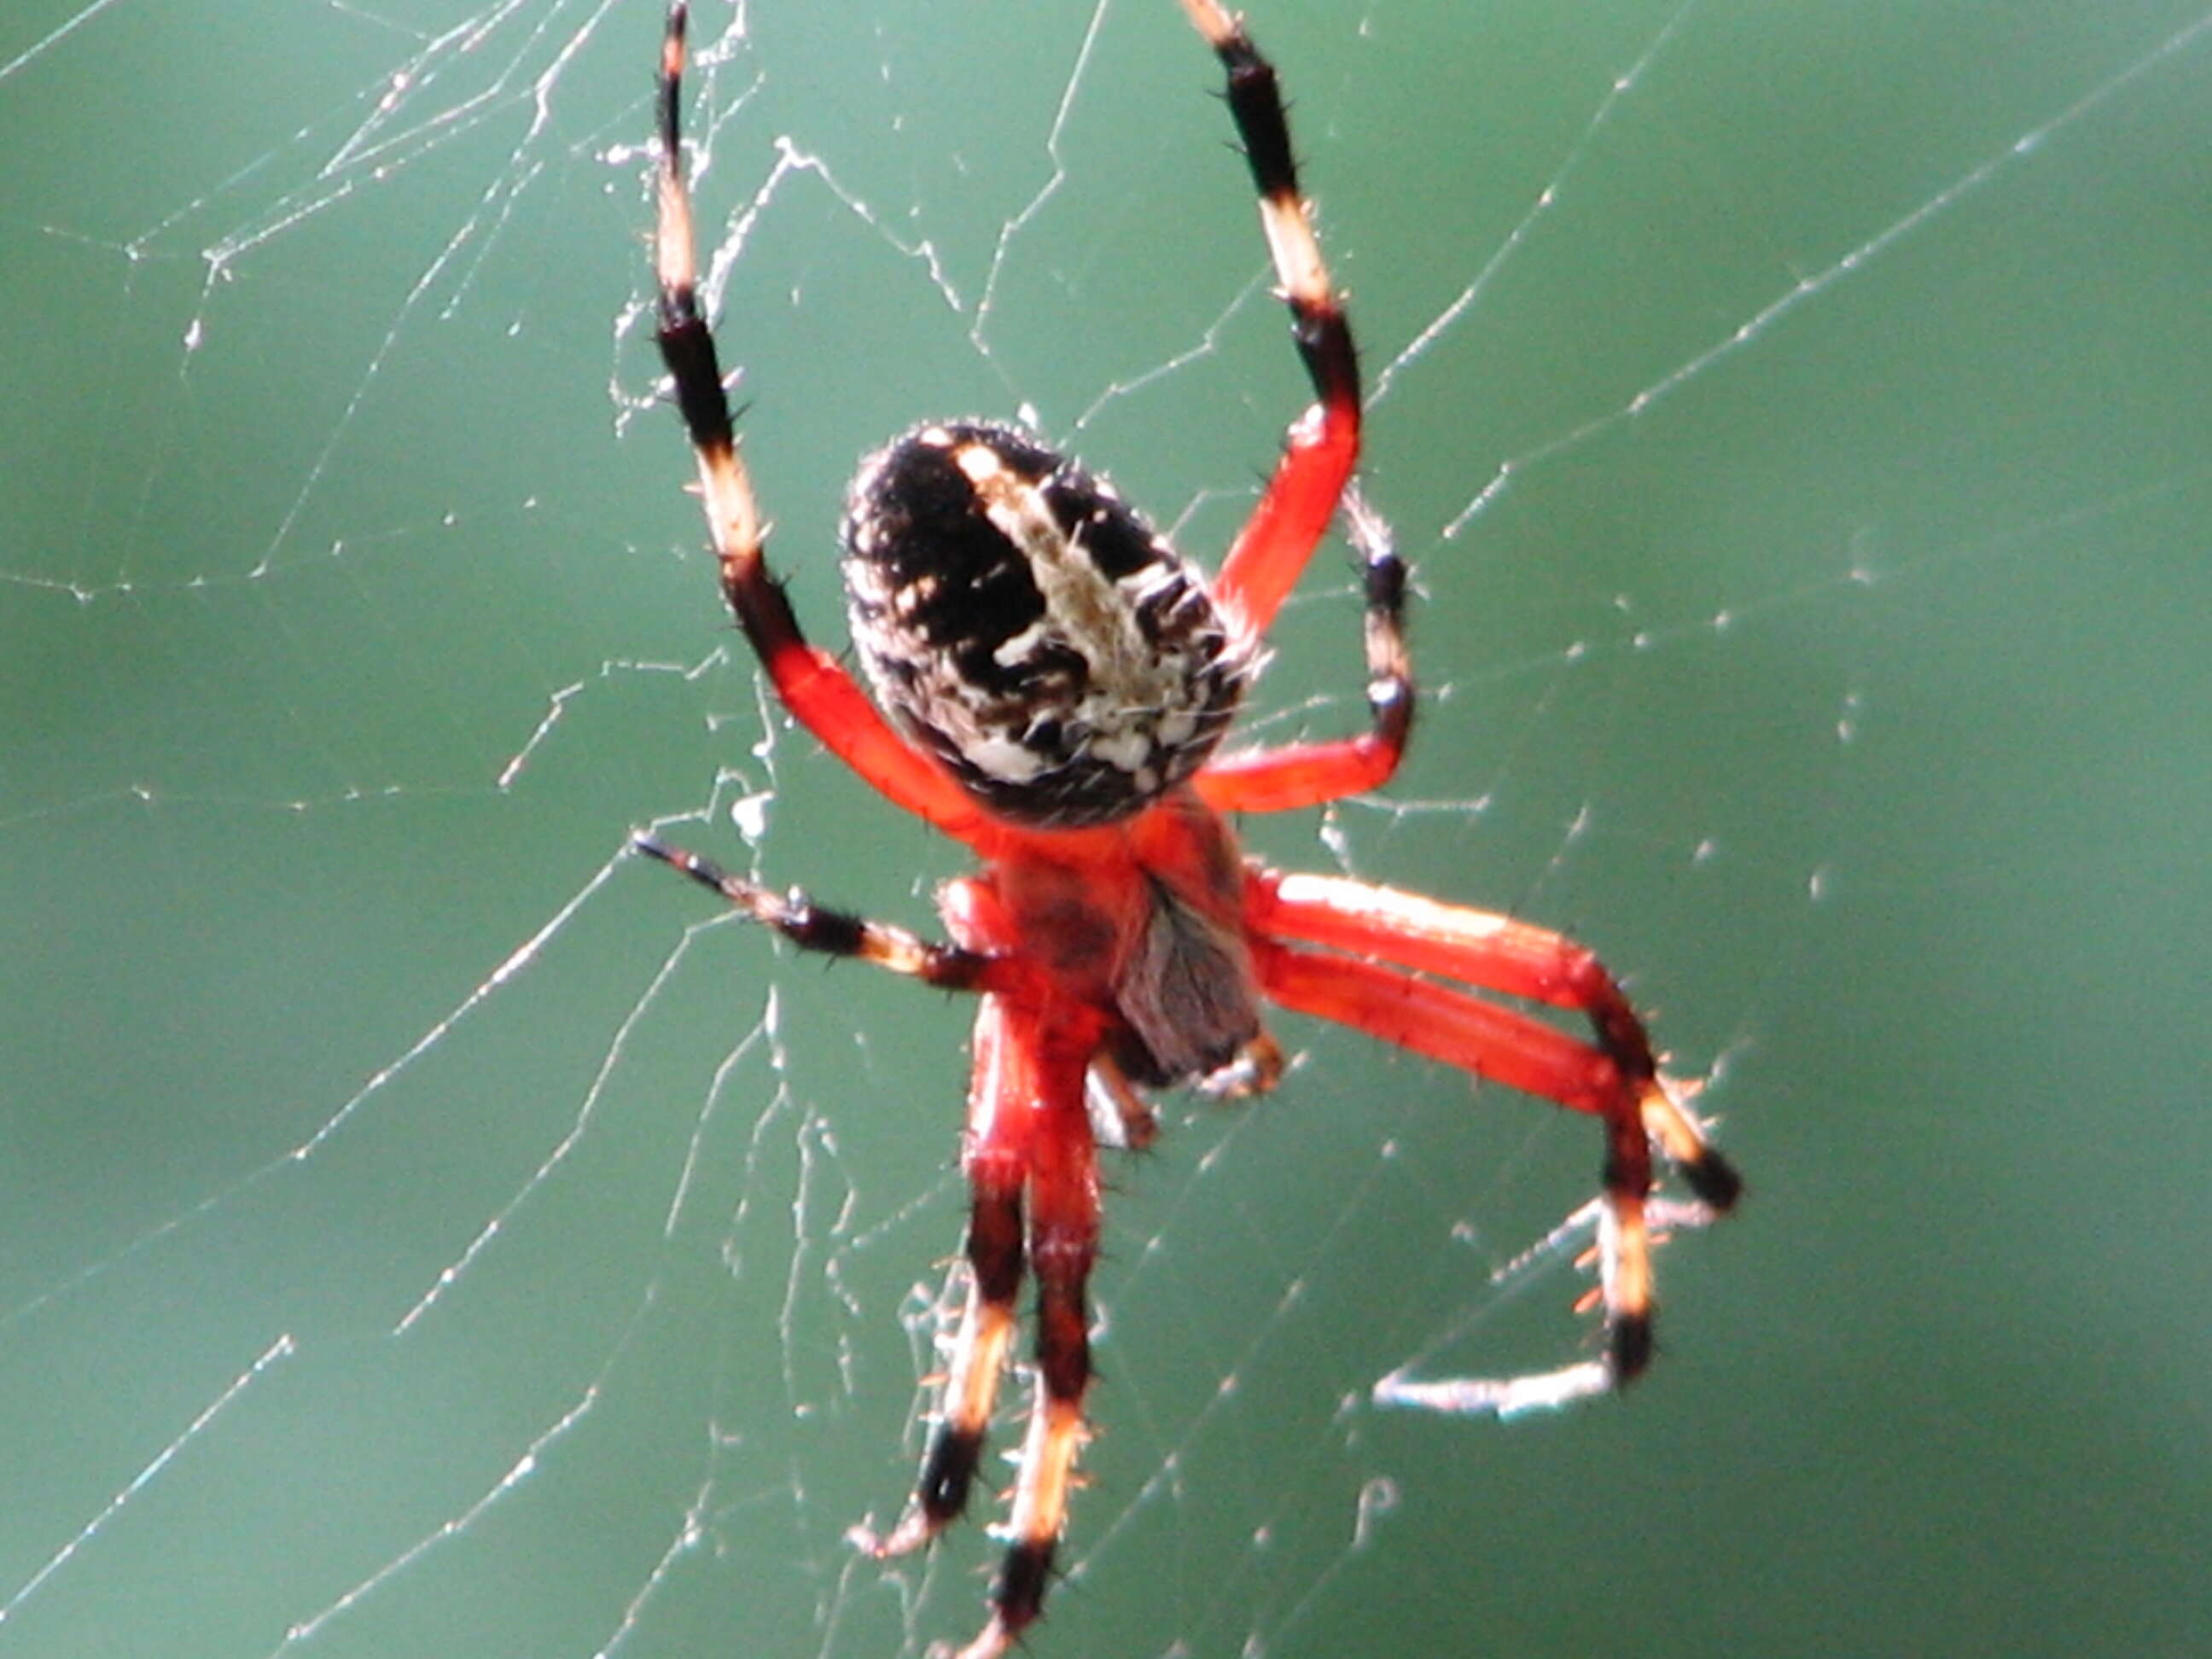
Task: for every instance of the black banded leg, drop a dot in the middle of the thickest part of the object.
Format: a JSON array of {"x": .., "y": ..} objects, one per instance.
[
  {"x": 1308, "y": 773},
  {"x": 1657, "y": 1118},
  {"x": 1027, "y": 1125},
  {"x": 1389, "y": 661},
  {"x": 809, "y": 681},
  {"x": 1056, "y": 1435},
  {"x": 1661, "y": 1118},
  {"x": 1063, "y": 1248},
  {"x": 1256, "y": 103},
  {"x": 1323, "y": 445},
  {"x": 1314, "y": 477},
  {"x": 833, "y": 932},
  {"x": 985, "y": 1337},
  {"x": 1705, "y": 1169}
]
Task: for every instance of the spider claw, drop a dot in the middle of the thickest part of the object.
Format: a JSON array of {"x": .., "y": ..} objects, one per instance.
[
  {"x": 1628, "y": 1347},
  {"x": 1675, "y": 1130},
  {"x": 994, "y": 1640},
  {"x": 915, "y": 1529},
  {"x": 1713, "y": 1179}
]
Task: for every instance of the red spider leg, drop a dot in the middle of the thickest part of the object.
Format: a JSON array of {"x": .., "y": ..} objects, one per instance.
[
  {"x": 1322, "y": 446},
  {"x": 1498, "y": 953},
  {"x": 1523, "y": 1053},
  {"x": 1001, "y": 1121},
  {"x": 1307, "y": 774},
  {"x": 1063, "y": 1246},
  {"x": 1029, "y": 1147},
  {"x": 1617, "y": 1080},
  {"x": 820, "y": 695},
  {"x": 1319, "y": 457}
]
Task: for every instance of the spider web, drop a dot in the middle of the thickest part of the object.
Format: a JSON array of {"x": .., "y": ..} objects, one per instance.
[{"x": 428, "y": 1232}]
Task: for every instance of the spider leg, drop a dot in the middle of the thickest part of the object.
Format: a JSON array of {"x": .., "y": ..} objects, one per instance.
[
  {"x": 1029, "y": 1147},
  {"x": 1322, "y": 446},
  {"x": 1616, "y": 1079},
  {"x": 1307, "y": 774},
  {"x": 1001, "y": 1122},
  {"x": 812, "y": 684},
  {"x": 838, "y": 933},
  {"x": 1496, "y": 953},
  {"x": 1313, "y": 477},
  {"x": 1461, "y": 1030}
]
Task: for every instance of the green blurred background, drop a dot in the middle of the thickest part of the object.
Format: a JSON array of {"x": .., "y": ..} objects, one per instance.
[{"x": 1834, "y": 656}]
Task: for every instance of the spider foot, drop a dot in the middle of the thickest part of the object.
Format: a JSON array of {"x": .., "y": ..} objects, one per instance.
[
  {"x": 1016, "y": 1601},
  {"x": 915, "y": 1529},
  {"x": 940, "y": 1497},
  {"x": 1026, "y": 1571},
  {"x": 1625, "y": 1234},
  {"x": 993, "y": 1641},
  {"x": 1714, "y": 1180},
  {"x": 1677, "y": 1133}
]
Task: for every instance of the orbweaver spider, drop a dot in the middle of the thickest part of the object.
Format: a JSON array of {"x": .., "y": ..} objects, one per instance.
[{"x": 1057, "y": 678}]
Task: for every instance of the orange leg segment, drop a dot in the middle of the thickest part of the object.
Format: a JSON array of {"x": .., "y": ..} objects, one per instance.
[
  {"x": 1459, "y": 1029},
  {"x": 1615, "y": 1079},
  {"x": 1496, "y": 953},
  {"x": 1032, "y": 1173},
  {"x": 1323, "y": 448},
  {"x": 820, "y": 695}
]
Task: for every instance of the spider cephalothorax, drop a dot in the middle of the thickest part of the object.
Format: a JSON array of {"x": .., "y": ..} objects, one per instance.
[
  {"x": 1057, "y": 679},
  {"x": 1024, "y": 625}
]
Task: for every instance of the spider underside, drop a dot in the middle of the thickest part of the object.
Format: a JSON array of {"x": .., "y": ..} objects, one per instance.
[{"x": 1051, "y": 684}]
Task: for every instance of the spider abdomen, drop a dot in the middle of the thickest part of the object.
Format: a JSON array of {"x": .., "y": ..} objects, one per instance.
[{"x": 1020, "y": 619}]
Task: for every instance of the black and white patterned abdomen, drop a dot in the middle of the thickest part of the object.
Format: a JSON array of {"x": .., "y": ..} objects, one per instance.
[{"x": 1021, "y": 622}]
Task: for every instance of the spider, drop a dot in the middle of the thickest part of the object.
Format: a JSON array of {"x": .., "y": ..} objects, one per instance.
[{"x": 1051, "y": 683}]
